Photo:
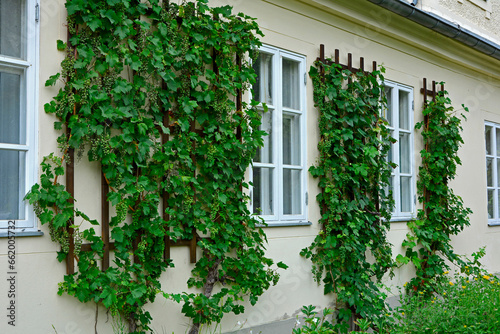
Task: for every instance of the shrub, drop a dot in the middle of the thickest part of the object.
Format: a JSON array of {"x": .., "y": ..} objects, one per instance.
[{"x": 465, "y": 303}]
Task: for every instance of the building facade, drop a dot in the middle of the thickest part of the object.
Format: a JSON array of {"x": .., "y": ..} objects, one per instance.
[{"x": 451, "y": 41}]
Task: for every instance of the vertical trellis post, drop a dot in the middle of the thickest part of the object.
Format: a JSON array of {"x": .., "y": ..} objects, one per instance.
[{"x": 428, "y": 93}]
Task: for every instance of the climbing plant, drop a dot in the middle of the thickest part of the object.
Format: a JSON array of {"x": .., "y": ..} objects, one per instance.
[
  {"x": 149, "y": 93},
  {"x": 428, "y": 245},
  {"x": 351, "y": 253}
]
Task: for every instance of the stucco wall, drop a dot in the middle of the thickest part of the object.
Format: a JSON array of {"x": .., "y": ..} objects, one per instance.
[
  {"x": 407, "y": 51},
  {"x": 479, "y": 16}
]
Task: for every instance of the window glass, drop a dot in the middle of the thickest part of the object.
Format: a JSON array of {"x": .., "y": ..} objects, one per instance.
[
  {"x": 404, "y": 153},
  {"x": 489, "y": 172},
  {"x": 406, "y": 194},
  {"x": 491, "y": 193},
  {"x": 291, "y": 192},
  {"x": 11, "y": 116},
  {"x": 12, "y": 170},
  {"x": 487, "y": 137},
  {"x": 263, "y": 191},
  {"x": 388, "y": 110},
  {"x": 11, "y": 28},
  {"x": 291, "y": 139},
  {"x": 265, "y": 153},
  {"x": 404, "y": 114},
  {"x": 290, "y": 83},
  {"x": 497, "y": 135},
  {"x": 263, "y": 87}
]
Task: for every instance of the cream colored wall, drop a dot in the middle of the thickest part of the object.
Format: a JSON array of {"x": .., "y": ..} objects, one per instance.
[
  {"x": 479, "y": 16},
  {"x": 408, "y": 52}
]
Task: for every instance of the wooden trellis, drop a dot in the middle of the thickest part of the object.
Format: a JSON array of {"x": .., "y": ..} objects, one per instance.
[
  {"x": 336, "y": 60},
  {"x": 347, "y": 66},
  {"x": 430, "y": 92},
  {"x": 105, "y": 236}
]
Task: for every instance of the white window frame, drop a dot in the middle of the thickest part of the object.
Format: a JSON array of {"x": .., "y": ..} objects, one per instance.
[
  {"x": 495, "y": 186},
  {"x": 27, "y": 66},
  {"x": 278, "y": 218},
  {"x": 396, "y": 174}
]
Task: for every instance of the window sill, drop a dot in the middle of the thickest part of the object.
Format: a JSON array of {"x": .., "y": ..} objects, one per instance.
[
  {"x": 4, "y": 233},
  {"x": 494, "y": 223},
  {"x": 401, "y": 219},
  {"x": 286, "y": 223}
]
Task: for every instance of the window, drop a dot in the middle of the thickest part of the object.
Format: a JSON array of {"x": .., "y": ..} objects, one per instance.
[
  {"x": 279, "y": 173},
  {"x": 492, "y": 139},
  {"x": 399, "y": 114},
  {"x": 18, "y": 116}
]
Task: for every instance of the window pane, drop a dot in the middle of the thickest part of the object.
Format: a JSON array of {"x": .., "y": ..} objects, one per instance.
[
  {"x": 487, "y": 137},
  {"x": 11, "y": 23},
  {"x": 498, "y": 203},
  {"x": 404, "y": 110},
  {"x": 291, "y": 139},
  {"x": 404, "y": 153},
  {"x": 405, "y": 194},
  {"x": 490, "y": 203},
  {"x": 388, "y": 111},
  {"x": 489, "y": 172},
  {"x": 12, "y": 171},
  {"x": 498, "y": 173},
  {"x": 263, "y": 191},
  {"x": 390, "y": 189},
  {"x": 265, "y": 153},
  {"x": 497, "y": 135},
  {"x": 291, "y": 84},
  {"x": 390, "y": 154},
  {"x": 291, "y": 192},
  {"x": 263, "y": 87},
  {"x": 11, "y": 119}
]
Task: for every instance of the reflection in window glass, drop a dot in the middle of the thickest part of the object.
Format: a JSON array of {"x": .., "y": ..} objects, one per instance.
[
  {"x": 11, "y": 116},
  {"x": 11, "y": 28},
  {"x": 12, "y": 169},
  {"x": 262, "y": 191},
  {"x": 487, "y": 137},
  {"x": 404, "y": 113},
  {"x": 291, "y": 192},
  {"x": 290, "y": 83},
  {"x": 388, "y": 111},
  {"x": 263, "y": 87},
  {"x": 291, "y": 139},
  {"x": 265, "y": 153}
]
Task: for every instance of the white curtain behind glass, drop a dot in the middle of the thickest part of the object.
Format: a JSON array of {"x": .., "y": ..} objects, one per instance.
[
  {"x": 291, "y": 84},
  {"x": 11, "y": 24}
]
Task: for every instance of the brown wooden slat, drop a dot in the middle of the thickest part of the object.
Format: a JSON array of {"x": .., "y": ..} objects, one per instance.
[
  {"x": 349, "y": 66},
  {"x": 165, "y": 195},
  {"x": 70, "y": 187},
  {"x": 105, "y": 221},
  {"x": 88, "y": 247},
  {"x": 192, "y": 249}
]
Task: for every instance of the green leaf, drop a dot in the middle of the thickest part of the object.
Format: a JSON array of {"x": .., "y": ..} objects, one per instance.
[
  {"x": 52, "y": 80},
  {"x": 61, "y": 46},
  {"x": 282, "y": 265}
]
